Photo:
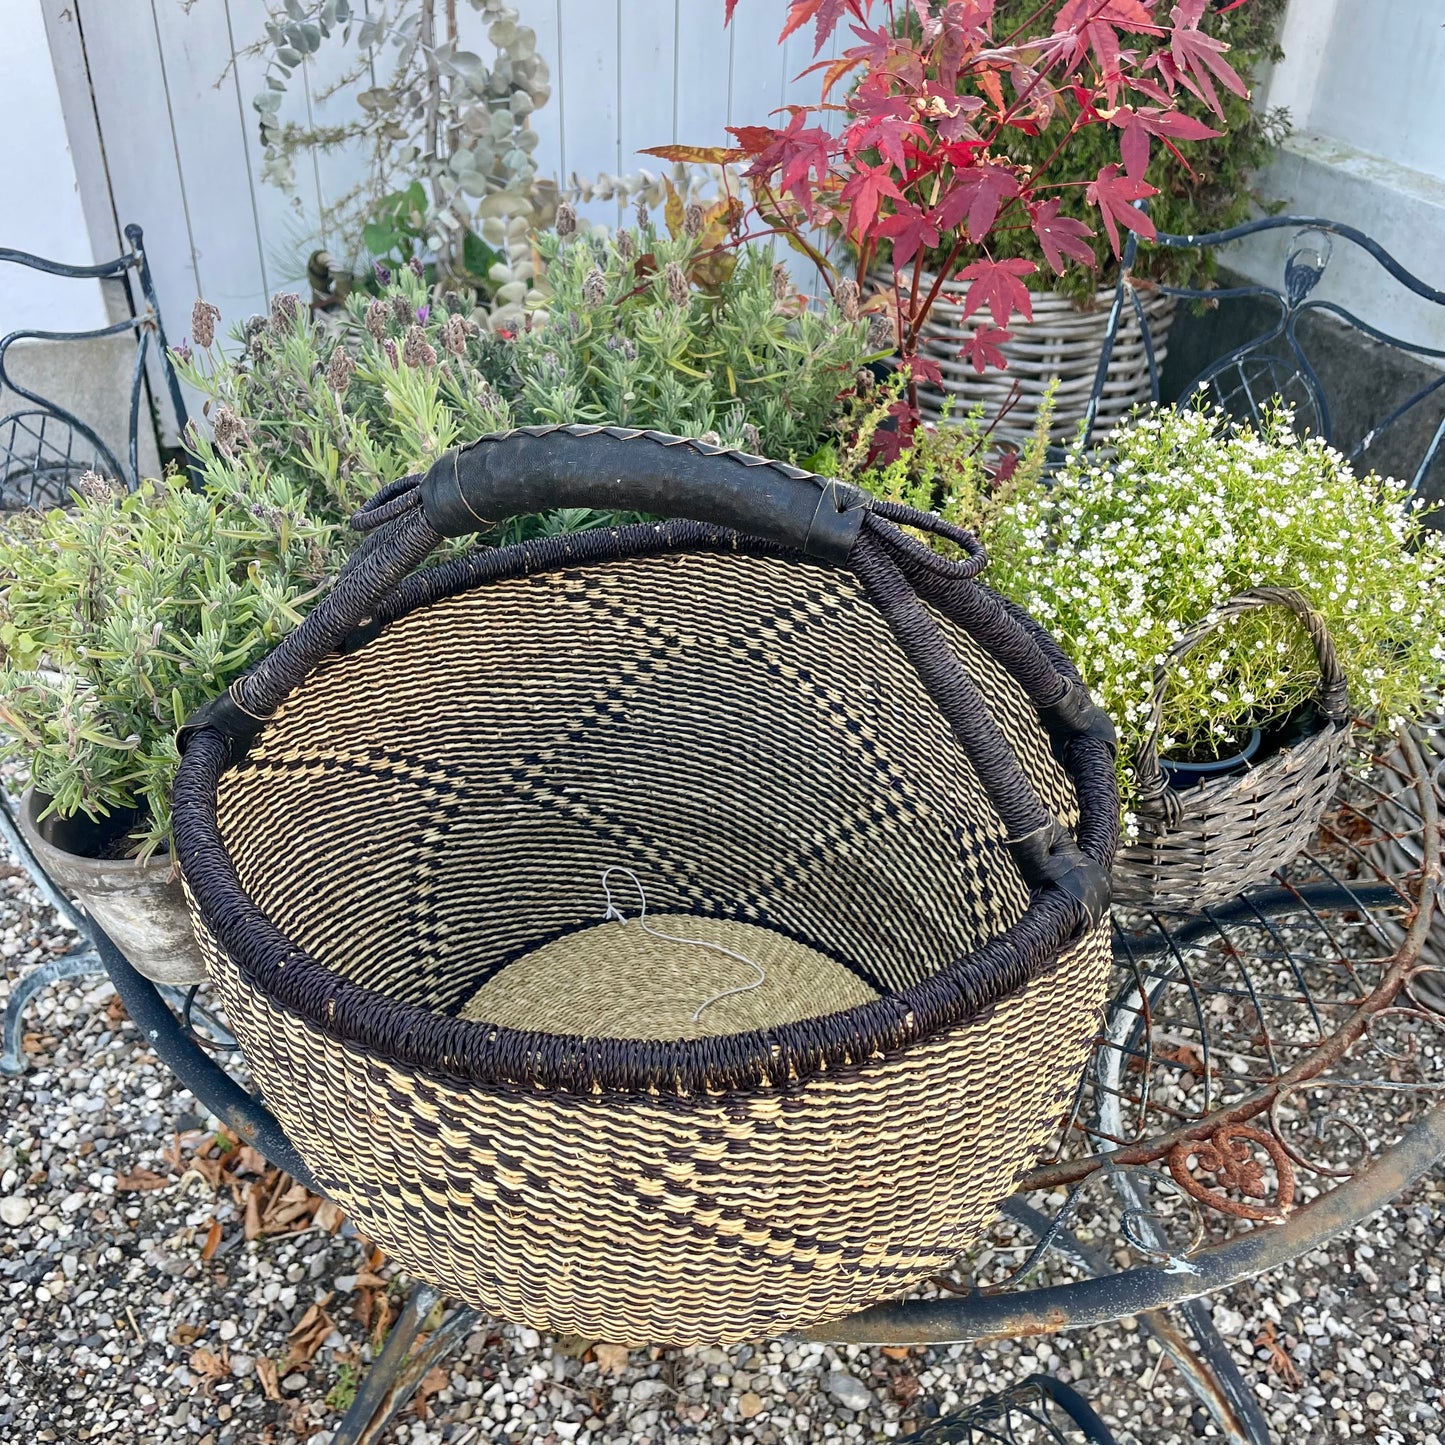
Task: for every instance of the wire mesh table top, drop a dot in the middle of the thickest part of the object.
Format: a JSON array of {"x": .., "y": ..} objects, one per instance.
[{"x": 1255, "y": 1058}]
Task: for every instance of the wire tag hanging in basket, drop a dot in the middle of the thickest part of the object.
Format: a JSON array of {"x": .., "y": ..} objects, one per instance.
[
  {"x": 870, "y": 805},
  {"x": 1202, "y": 844}
]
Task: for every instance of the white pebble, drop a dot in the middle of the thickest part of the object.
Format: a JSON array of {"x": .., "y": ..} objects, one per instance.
[
  {"x": 15, "y": 1210},
  {"x": 849, "y": 1391}
]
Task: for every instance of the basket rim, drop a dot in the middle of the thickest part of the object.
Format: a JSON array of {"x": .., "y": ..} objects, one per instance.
[{"x": 476, "y": 1052}]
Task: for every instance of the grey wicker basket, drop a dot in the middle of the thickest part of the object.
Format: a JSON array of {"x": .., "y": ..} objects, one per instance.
[
  {"x": 1396, "y": 847},
  {"x": 1203, "y": 844}
]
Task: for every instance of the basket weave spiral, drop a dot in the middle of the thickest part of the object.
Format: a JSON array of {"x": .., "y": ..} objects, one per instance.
[
  {"x": 592, "y": 1124},
  {"x": 1203, "y": 844}
]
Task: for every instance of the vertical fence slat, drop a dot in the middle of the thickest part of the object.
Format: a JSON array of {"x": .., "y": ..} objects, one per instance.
[
  {"x": 587, "y": 54},
  {"x": 646, "y": 80},
  {"x": 211, "y": 148},
  {"x": 701, "y": 66},
  {"x": 542, "y": 16}
]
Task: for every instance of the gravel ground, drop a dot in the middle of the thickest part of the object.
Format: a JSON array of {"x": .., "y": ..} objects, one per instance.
[{"x": 137, "y": 1309}]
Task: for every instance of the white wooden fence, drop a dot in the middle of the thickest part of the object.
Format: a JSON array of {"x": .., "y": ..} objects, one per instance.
[{"x": 169, "y": 85}]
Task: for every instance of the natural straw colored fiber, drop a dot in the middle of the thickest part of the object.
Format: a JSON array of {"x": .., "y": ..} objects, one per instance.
[
  {"x": 397, "y": 882},
  {"x": 617, "y": 981},
  {"x": 1203, "y": 844}
]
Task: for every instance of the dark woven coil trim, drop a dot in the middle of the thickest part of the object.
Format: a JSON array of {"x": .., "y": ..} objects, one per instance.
[{"x": 775, "y": 1059}]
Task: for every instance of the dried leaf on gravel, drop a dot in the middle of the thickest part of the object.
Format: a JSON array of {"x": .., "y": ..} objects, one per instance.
[
  {"x": 434, "y": 1380},
  {"x": 213, "y": 1240},
  {"x": 251, "y": 1220},
  {"x": 142, "y": 1179},
  {"x": 329, "y": 1216},
  {"x": 269, "y": 1377},
  {"x": 904, "y": 1389},
  {"x": 247, "y": 1160},
  {"x": 186, "y": 1334},
  {"x": 611, "y": 1359},
  {"x": 1279, "y": 1360},
  {"x": 309, "y": 1333},
  {"x": 384, "y": 1316},
  {"x": 212, "y": 1367}
]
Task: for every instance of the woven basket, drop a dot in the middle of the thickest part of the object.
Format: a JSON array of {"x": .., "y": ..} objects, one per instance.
[
  {"x": 1396, "y": 847},
  {"x": 875, "y": 941},
  {"x": 1061, "y": 344},
  {"x": 1203, "y": 844}
]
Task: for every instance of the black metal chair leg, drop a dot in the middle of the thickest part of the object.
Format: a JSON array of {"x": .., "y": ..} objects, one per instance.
[
  {"x": 68, "y": 965},
  {"x": 395, "y": 1374}
]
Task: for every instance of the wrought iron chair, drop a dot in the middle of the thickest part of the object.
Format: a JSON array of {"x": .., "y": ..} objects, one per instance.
[
  {"x": 1037, "y": 1411},
  {"x": 44, "y": 449},
  {"x": 1276, "y": 362}
]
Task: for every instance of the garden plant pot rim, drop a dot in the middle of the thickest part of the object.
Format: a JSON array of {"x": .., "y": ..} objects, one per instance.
[
  {"x": 1051, "y": 297},
  {"x": 29, "y": 814},
  {"x": 1187, "y": 771}
]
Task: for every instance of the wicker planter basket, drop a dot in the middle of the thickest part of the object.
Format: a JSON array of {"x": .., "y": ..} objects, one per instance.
[
  {"x": 1396, "y": 848},
  {"x": 1060, "y": 342},
  {"x": 1201, "y": 845},
  {"x": 875, "y": 944}
]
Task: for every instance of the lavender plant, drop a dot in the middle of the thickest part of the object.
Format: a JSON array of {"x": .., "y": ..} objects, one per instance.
[
  {"x": 650, "y": 329},
  {"x": 121, "y": 615},
  {"x": 338, "y": 415}
]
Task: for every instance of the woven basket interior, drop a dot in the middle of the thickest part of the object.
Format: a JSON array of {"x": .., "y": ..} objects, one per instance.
[{"x": 432, "y": 815}]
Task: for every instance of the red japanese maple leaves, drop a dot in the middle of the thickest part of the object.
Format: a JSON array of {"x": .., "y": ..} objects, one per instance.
[{"x": 920, "y": 163}]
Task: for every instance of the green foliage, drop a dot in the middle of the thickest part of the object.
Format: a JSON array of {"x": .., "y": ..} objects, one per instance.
[
  {"x": 1210, "y": 190},
  {"x": 338, "y": 418},
  {"x": 124, "y": 614},
  {"x": 343, "y": 1392},
  {"x": 949, "y": 467},
  {"x": 649, "y": 330},
  {"x": 450, "y": 174},
  {"x": 1118, "y": 561}
]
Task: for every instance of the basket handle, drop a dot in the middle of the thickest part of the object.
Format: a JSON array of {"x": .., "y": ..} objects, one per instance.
[
  {"x": 537, "y": 469},
  {"x": 612, "y": 467},
  {"x": 1155, "y": 796}
]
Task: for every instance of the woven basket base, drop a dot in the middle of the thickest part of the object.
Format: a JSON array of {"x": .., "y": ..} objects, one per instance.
[{"x": 618, "y": 981}]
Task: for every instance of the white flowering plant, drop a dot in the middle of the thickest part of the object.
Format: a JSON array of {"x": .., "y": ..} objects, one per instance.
[{"x": 1120, "y": 558}]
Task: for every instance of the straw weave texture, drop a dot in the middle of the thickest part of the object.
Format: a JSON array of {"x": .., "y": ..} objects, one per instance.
[
  {"x": 1203, "y": 844},
  {"x": 525, "y": 1113},
  {"x": 1059, "y": 347},
  {"x": 1238, "y": 830},
  {"x": 684, "y": 1220},
  {"x": 618, "y": 980}
]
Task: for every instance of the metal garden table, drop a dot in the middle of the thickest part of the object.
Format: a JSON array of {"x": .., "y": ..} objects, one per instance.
[{"x": 1267, "y": 1075}]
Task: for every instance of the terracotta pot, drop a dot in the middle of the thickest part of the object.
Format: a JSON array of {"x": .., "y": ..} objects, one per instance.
[{"x": 140, "y": 905}]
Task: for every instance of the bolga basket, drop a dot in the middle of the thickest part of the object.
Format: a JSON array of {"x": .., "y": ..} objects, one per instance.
[
  {"x": 866, "y": 806},
  {"x": 1203, "y": 844}
]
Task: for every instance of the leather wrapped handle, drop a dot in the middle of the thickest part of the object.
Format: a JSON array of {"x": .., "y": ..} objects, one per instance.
[{"x": 535, "y": 469}]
